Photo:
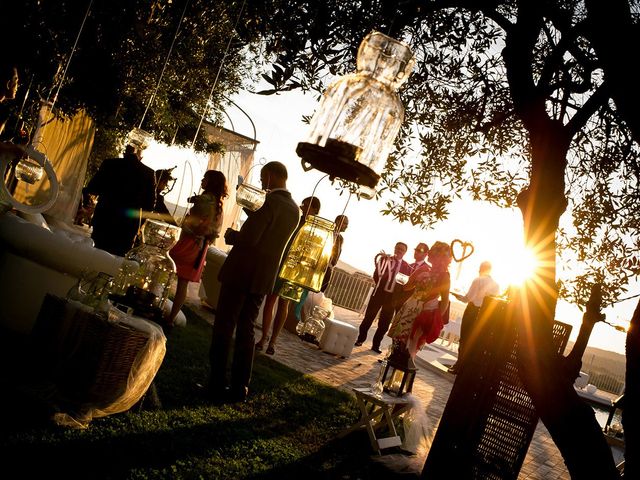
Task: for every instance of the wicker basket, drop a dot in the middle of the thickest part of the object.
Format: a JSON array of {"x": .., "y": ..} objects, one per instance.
[
  {"x": 89, "y": 359},
  {"x": 489, "y": 419}
]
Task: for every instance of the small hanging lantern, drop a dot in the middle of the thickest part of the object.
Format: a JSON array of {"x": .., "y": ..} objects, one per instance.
[
  {"x": 29, "y": 169},
  {"x": 250, "y": 197},
  {"x": 399, "y": 372},
  {"x": 307, "y": 258},
  {"x": 143, "y": 281},
  {"x": 360, "y": 114},
  {"x": 139, "y": 138}
]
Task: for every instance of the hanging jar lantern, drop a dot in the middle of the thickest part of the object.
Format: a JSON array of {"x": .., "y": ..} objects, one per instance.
[
  {"x": 359, "y": 116},
  {"x": 139, "y": 138},
  {"x": 30, "y": 169},
  {"x": 250, "y": 197},
  {"x": 143, "y": 281},
  {"x": 307, "y": 258}
]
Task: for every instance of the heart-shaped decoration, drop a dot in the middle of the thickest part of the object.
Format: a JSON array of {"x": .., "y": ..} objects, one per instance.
[{"x": 460, "y": 250}]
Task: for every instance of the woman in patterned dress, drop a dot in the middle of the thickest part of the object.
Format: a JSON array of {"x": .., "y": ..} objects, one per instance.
[{"x": 423, "y": 315}]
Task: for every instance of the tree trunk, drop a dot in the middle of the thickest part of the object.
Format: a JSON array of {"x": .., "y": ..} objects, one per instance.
[
  {"x": 631, "y": 412},
  {"x": 570, "y": 421}
]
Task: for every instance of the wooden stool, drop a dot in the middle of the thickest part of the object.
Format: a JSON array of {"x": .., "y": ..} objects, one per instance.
[{"x": 376, "y": 412}]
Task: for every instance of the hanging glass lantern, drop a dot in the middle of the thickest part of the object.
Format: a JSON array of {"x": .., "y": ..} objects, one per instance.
[
  {"x": 139, "y": 138},
  {"x": 307, "y": 258},
  {"x": 30, "y": 169},
  {"x": 144, "y": 279},
  {"x": 399, "y": 371},
  {"x": 250, "y": 197},
  {"x": 353, "y": 130}
]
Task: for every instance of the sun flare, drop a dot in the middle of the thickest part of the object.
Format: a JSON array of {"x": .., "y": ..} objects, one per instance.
[{"x": 519, "y": 266}]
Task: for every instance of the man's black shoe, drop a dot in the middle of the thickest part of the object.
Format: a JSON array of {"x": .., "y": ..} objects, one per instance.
[
  {"x": 357, "y": 344},
  {"x": 376, "y": 349},
  {"x": 237, "y": 395}
]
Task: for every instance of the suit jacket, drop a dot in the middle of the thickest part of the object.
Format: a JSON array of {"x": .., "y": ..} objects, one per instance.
[
  {"x": 253, "y": 263},
  {"x": 381, "y": 282},
  {"x": 123, "y": 185}
]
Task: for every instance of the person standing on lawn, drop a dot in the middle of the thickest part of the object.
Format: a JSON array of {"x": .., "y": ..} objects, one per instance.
[
  {"x": 248, "y": 273},
  {"x": 482, "y": 286}
]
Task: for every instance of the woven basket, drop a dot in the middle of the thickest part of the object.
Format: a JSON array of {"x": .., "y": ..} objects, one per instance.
[
  {"x": 88, "y": 358},
  {"x": 489, "y": 419}
]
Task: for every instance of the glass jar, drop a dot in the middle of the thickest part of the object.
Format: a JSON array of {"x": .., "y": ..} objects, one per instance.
[
  {"x": 312, "y": 328},
  {"x": 359, "y": 116},
  {"x": 307, "y": 258},
  {"x": 250, "y": 197},
  {"x": 92, "y": 289},
  {"x": 147, "y": 271}
]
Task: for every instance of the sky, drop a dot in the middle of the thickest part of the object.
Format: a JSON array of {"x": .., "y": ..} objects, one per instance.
[{"x": 495, "y": 233}]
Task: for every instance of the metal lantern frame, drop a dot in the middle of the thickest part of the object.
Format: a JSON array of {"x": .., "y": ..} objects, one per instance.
[{"x": 398, "y": 378}]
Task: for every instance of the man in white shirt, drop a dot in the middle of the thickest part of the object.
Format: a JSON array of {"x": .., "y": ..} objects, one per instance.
[{"x": 484, "y": 285}]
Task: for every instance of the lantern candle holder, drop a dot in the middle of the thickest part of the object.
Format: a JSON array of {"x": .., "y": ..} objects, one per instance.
[
  {"x": 360, "y": 114},
  {"x": 399, "y": 371},
  {"x": 250, "y": 197},
  {"x": 307, "y": 258}
]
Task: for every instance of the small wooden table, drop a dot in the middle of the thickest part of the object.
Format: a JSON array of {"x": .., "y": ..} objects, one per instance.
[{"x": 377, "y": 411}]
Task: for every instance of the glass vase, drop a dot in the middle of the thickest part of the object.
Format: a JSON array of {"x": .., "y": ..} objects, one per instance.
[{"x": 147, "y": 271}]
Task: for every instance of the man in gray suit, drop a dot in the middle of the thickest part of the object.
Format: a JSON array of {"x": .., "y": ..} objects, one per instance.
[{"x": 248, "y": 273}]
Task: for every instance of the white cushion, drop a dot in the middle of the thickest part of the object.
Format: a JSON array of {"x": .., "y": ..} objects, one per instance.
[{"x": 338, "y": 337}]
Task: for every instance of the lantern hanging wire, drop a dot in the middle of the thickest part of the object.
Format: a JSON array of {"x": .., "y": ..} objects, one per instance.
[{"x": 206, "y": 108}]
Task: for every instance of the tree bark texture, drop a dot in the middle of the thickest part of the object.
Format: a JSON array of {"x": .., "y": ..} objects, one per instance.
[{"x": 631, "y": 412}]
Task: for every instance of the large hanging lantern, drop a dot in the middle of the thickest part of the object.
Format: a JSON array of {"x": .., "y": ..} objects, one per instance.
[
  {"x": 307, "y": 258},
  {"x": 353, "y": 130},
  {"x": 143, "y": 281},
  {"x": 250, "y": 197}
]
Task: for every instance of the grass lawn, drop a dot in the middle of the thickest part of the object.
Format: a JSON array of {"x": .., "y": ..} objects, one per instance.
[{"x": 287, "y": 429}]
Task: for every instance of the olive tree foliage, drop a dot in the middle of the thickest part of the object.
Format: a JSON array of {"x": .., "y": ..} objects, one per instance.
[
  {"x": 482, "y": 70},
  {"x": 119, "y": 60}
]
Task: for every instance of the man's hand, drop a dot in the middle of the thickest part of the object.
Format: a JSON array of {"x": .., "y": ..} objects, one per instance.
[{"x": 230, "y": 236}]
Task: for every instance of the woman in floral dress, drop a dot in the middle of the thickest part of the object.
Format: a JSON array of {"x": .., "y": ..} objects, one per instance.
[{"x": 423, "y": 315}]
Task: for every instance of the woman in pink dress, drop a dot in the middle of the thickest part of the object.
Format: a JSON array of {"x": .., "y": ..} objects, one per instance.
[
  {"x": 423, "y": 315},
  {"x": 200, "y": 227}
]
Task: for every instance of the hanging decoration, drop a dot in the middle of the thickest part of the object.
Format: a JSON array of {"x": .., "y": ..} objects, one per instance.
[
  {"x": 35, "y": 164},
  {"x": 360, "y": 114},
  {"x": 307, "y": 258},
  {"x": 460, "y": 251}
]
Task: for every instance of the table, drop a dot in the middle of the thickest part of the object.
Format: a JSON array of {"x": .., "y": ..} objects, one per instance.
[{"x": 378, "y": 411}]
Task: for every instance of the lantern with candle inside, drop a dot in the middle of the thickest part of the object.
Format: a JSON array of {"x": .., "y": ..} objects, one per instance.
[
  {"x": 307, "y": 258},
  {"x": 399, "y": 371},
  {"x": 353, "y": 130},
  {"x": 143, "y": 281}
]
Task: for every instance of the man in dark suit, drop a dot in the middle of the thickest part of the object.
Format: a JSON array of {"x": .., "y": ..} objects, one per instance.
[
  {"x": 385, "y": 273},
  {"x": 248, "y": 273},
  {"x": 400, "y": 295},
  {"x": 126, "y": 192}
]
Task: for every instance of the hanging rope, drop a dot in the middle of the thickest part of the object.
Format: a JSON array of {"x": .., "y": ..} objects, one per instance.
[
  {"x": 164, "y": 67},
  {"x": 206, "y": 108},
  {"x": 73, "y": 50},
  {"x": 215, "y": 81}
]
